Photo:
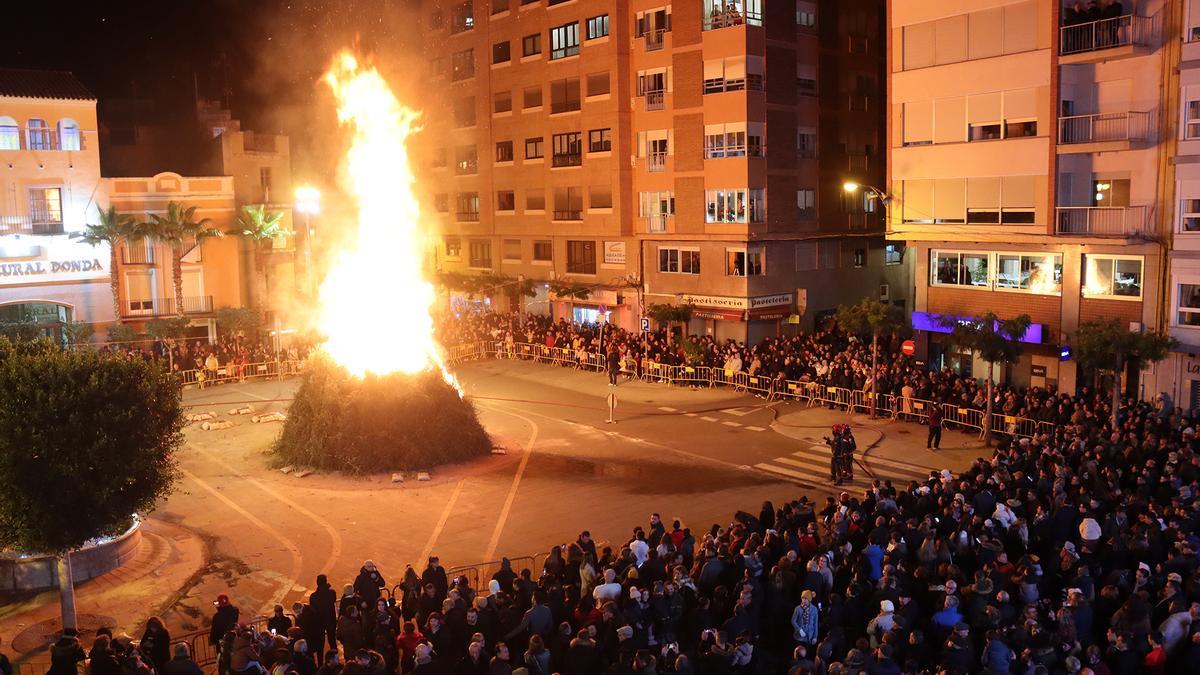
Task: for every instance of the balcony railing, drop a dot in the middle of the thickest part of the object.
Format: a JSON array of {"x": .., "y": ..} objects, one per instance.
[
  {"x": 1102, "y": 127},
  {"x": 567, "y": 159},
  {"x": 655, "y": 100},
  {"x": 657, "y": 222},
  {"x": 570, "y": 214},
  {"x": 25, "y": 138},
  {"x": 656, "y": 162},
  {"x": 138, "y": 253},
  {"x": 1100, "y": 220},
  {"x": 196, "y": 304},
  {"x": 654, "y": 40},
  {"x": 1118, "y": 31},
  {"x": 468, "y": 216},
  {"x": 730, "y": 16},
  {"x": 752, "y": 81},
  {"x": 29, "y": 225}
]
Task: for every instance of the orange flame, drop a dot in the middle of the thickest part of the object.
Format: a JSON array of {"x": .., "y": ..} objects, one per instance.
[{"x": 385, "y": 260}]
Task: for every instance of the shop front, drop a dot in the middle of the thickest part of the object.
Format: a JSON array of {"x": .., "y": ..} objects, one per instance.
[
  {"x": 1037, "y": 365},
  {"x": 738, "y": 318}
]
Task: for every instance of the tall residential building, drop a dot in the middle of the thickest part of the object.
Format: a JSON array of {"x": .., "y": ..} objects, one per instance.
[
  {"x": 49, "y": 189},
  {"x": 1028, "y": 169},
  {"x": 659, "y": 153}
]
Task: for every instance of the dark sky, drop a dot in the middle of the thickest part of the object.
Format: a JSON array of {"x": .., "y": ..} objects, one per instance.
[{"x": 262, "y": 56}]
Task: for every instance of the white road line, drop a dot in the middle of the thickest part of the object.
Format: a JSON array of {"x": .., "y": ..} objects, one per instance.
[
  {"x": 749, "y": 428},
  {"x": 740, "y": 412},
  {"x": 911, "y": 468},
  {"x": 807, "y": 477},
  {"x": 512, "y": 491},
  {"x": 667, "y": 409},
  {"x": 691, "y": 414},
  {"x": 731, "y": 424},
  {"x": 437, "y": 529},
  {"x": 709, "y": 419}
]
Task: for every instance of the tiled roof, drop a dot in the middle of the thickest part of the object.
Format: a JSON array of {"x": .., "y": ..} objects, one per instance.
[{"x": 58, "y": 84}]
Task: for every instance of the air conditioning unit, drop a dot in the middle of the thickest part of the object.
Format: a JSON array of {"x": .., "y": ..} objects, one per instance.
[{"x": 885, "y": 292}]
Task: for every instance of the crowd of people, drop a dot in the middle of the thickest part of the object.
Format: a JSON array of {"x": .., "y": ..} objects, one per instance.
[{"x": 234, "y": 352}]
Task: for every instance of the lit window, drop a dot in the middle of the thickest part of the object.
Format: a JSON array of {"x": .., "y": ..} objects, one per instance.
[
  {"x": 954, "y": 268},
  {"x": 38, "y": 135},
  {"x": 45, "y": 207},
  {"x": 453, "y": 247},
  {"x": 744, "y": 263},
  {"x": 564, "y": 41},
  {"x": 735, "y": 206},
  {"x": 1188, "y": 313},
  {"x": 893, "y": 254},
  {"x": 1113, "y": 277},
  {"x": 679, "y": 260},
  {"x": 597, "y": 27},
  {"x": 68, "y": 135},
  {"x": 1035, "y": 273},
  {"x": 10, "y": 134}
]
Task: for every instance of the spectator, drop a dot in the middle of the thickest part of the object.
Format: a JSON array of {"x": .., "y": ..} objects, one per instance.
[{"x": 181, "y": 663}]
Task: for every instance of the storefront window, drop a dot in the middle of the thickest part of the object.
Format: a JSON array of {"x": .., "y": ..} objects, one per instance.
[
  {"x": 1035, "y": 273},
  {"x": 955, "y": 268},
  {"x": 1189, "y": 305}
]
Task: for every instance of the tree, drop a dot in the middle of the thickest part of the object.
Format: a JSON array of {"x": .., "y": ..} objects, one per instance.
[
  {"x": 876, "y": 318},
  {"x": 86, "y": 439},
  {"x": 261, "y": 228},
  {"x": 78, "y": 332},
  {"x": 570, "y": 291},
  {"x": 167, "y": 328},
  {"x": 234, "y": 320},
  {"x": 995, "y": 340},
  {"x": 112, "y": 229},
  {"x": 119, "y": 332},
  {"x": 670, "y": 315},
  {"x": 1108, "y": 345},
  {"x": 177, "y": 226}
]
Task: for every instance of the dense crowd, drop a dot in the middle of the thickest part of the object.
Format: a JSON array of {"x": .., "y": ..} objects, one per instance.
[{"x": 232, "y": 351}]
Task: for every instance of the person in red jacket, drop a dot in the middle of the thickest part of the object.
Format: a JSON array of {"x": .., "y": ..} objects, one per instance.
[
  {"x": 935, "y": 427},
  {"x": 407, "y": 643}
]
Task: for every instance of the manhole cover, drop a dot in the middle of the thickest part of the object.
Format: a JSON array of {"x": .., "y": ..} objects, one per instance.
[{"x": 41, "y": 635}]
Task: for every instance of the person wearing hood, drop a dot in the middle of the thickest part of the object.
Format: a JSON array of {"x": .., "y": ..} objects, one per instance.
[
  {"x": 436, "y": 574},
  {"x": 882, "y": 623},
  {"x": 505, "y": 575},
  {"x": 65, "y": 653},
  {"x": 323, "y": 602},
  {"x": 369, "y": 582},
  {"x": 226, "y": 617},
  {"x": 156, "y": 643}
]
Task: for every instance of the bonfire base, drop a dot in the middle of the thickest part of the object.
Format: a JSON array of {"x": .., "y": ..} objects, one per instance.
[{"x": 377, "y": 423}]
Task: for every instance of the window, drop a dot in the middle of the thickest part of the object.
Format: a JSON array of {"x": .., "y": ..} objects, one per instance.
[
  {"x": 725, "y": 13},
  {"x": 1112, "y": 277},
  {"x": 806, "y": 203},
  {"x": 264, "y": 182},
  {"x": 564, "y": 95},
  {"x": 653, "y": 24},
  {"x": 466, "y": 160},
  {"x": 462, "y": 18},
  {"x": 1020, "y": 129},
  {"x": 564, "y": 41},
  {"x": 10, "y": 134},
  {"x": 600, "y": 140},
  {"x": 568, "y": 203},
  {"x": 597, "y": 27},
  {"x": 499, "y": 6},
  {"x": 441, "y": 202},
  {"x": 45, "y": 207},
  {"x": 1034, "y": 273},
  {"x": 1190, "y": 218},
  {"x": 464, "y": 112},
  {"x": 468, "y": 206},
  {"x": 656, "y": 208},
  {"x": 462, "y": 65},
  {"x": 535, "y": 200},
  {"x": 501, "y": 102},
  {"x": 481, "y": 253},
  {"x": 860, "y": 257},
  {"x": 581, "y": 257},
  {"x": 985, "y": 131},
  {"x": 600, "y": 197},
  {"x": 531, "y": 45},
  {"x": 597, "y": 84},
  {"x": 532, "y": 97},
  {"x": 543, "y": 251},
  {"x": 679, "y": 260},
  {"x": 806, "y": 143},
  {"x": 733, "y": 73},
  {"x": 568, "y": 149},
  {"x": 68, "y": 135},
  {"x": 1189, "y": 305},
  {"x": 744, "y": 263},
  {"x": 453, "y": 247},
  {"x": 953, "y": 268},
  {"x": 139, "y": 291},
  {"x": 736, "y": 139},
  {"x": 504, "y": 151},
  {"x": 506, "y": 200},
  {"x": 735, "y": 206},
  {"x": 501, "y": 52},
  {"x": 534, "y": 148},
  {"x": 1192, "y": 125},
  {"x": 511, "y": 249},
  {"x": 893, "y": 254},
  {"x": 38, "y": 135},
  {"x": 806, "y": 15}
]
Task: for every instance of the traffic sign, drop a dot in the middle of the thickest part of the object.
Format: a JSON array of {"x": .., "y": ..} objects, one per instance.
[
  {"x": 908, "y": 347},
  {"x": 604, "y": 309},
  {"x": 645, "y": 324}
]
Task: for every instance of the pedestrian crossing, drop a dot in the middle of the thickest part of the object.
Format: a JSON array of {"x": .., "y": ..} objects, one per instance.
[{"x": 810, "y": 466}]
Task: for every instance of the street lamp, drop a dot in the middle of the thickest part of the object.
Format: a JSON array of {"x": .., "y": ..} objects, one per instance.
[
  {"x": 308, "y": 202},
  {"x": 872, "y": 191}
]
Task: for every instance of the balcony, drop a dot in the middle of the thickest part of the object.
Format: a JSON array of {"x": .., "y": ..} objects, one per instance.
[
  {"x": 1103, "y": 40},
  {"x": 657, "y": 222},
  {"x": 1102, "y": 132},
  {"x": 567, "y": 159},
  {"x": 568, "y": 215},
  {"x": 468, "y": 216},
  {"x": 654, "y": 40},
  {"x": 656, "y": 162},
  {"x": 1100, "y": 221},
  {"x": 730, "y": 16},
  {"x": 40, "y": 138},
  {"x": 655, "y": 100},
  {"x": 751, "y": 81},
  {"x": 137, "y": 253},
  {"x": 196, "y": 304},
  {"x": 30, "y": 225}
]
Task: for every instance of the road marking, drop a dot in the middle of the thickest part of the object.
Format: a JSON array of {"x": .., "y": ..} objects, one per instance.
[
  {"x": 512, "y": 491},
  {"x": 749, "y": 428},
  {"x": 709, "y": 419},
  {"x": 807, "y": 477},
  {"x": 666, "y": 409},
  {"x": 691, "y": 414},
  {"x": 740, "y": 412},
  {"x": 287, "y": 543},
  {"x": 731, "y": 424},
  {"x": 441, "y": 523}
]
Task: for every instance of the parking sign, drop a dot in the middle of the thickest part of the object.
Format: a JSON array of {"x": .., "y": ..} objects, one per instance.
[{"x": 645, "y": 324}]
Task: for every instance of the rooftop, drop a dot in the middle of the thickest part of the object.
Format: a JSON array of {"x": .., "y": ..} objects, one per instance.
[{"x": 54, "y": 84}]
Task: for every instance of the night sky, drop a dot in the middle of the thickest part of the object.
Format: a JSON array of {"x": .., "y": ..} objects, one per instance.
[{"x": 262, "y": 57}]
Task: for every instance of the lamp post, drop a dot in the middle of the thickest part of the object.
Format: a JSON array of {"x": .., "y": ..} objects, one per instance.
[
  {"x": 308, "y": 202},
  {"x": 851, "y": 187}
]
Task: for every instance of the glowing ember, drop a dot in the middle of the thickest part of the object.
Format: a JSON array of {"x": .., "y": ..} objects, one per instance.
[{"x": 385, "y": 261}]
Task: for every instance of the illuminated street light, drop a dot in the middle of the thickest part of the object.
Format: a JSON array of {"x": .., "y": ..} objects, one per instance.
[
  {"x": 872, "y": 191},
  {"x": 308, "y": 202}
]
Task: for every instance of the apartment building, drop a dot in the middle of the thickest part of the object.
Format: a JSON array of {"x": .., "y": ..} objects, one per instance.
[
  {"x": 49, "y": 188},
  {"x": 654, "y": 152},
  {"x": 1028, "y": 169}
]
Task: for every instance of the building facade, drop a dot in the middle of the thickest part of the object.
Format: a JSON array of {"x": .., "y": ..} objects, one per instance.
[
  {"x": 661, "y": 153},
  {"x": 50, "y": 188},
  {"x": 1029, "y": 169}
]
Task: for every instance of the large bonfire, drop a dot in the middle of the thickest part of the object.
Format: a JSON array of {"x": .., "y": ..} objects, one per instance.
[{"x": 378, "y": 395}]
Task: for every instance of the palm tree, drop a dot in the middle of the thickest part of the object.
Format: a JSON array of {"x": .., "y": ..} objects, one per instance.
[
  {"x": 112, "y": 229},
  {"x": 260, "y": 227},
  {"x": 175, "y": 227}
]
